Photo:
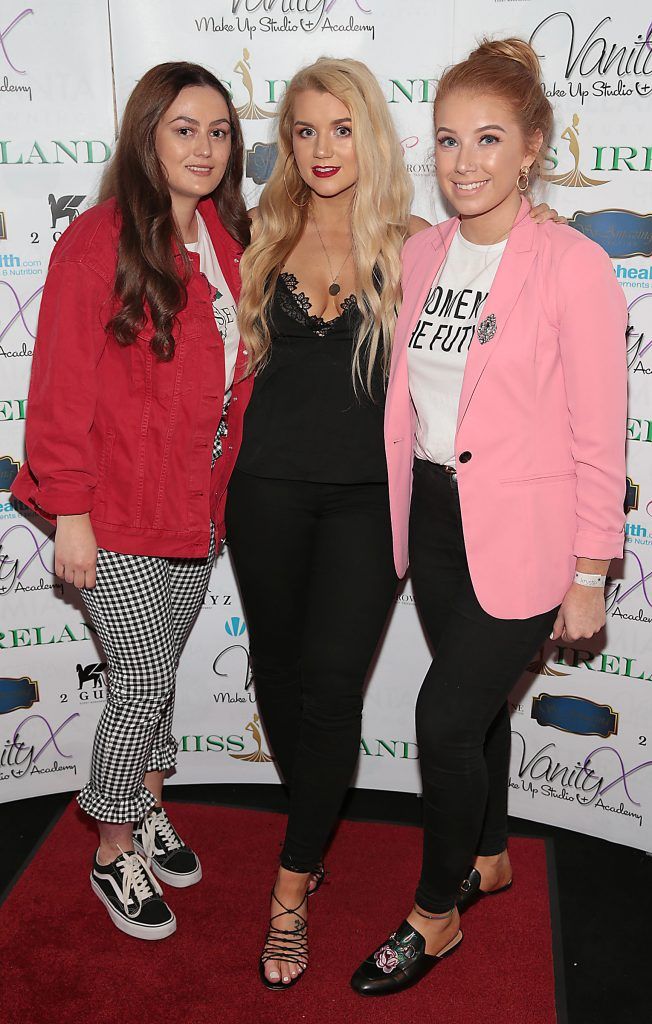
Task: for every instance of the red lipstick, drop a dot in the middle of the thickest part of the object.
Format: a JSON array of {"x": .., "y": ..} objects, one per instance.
[{"x": 325, "y": 172}]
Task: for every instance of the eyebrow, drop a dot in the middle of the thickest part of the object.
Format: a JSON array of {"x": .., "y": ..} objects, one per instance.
[
  {"x": 307, "y": 124},
  {"x": 484, "y": 128},
  {"x": 191, "y": 120}
]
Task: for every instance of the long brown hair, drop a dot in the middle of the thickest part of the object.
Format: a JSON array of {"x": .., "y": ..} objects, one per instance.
[{"x": 147, "y": 280}]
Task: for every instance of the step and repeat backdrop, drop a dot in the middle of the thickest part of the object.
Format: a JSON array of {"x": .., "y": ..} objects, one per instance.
[{"x": 582, "y": 714}]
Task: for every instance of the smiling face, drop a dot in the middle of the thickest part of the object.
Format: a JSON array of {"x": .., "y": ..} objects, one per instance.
[
  {"x": 480, "y": 149},
  {"x": 193, "y": 141},
  {"x": 323, "y": 144}
]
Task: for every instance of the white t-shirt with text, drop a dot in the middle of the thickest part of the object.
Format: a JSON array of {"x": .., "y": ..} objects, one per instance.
[
  {"x": 224, "y": 305},
  {"x": 440, "y": 342}
]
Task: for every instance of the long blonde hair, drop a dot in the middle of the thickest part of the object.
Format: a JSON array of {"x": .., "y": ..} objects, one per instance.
[{"x": 379, "y": 217}]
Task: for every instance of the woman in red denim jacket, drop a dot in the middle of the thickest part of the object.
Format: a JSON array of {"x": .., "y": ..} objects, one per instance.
[{"x": 139, "y": 385}]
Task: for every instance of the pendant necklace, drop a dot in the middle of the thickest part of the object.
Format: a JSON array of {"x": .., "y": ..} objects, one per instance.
[{"x": 334, "y": 288}]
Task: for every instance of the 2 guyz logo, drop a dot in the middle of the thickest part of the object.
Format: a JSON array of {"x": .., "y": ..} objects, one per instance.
[
  {"x": 91, "y": 681},
  {"x": 64, "y": 208}
]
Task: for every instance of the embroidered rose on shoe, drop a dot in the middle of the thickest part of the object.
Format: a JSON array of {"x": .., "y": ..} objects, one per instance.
[{"x": 387, "y": 959}]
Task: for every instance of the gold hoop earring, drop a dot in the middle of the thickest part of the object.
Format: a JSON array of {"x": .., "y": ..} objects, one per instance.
[
  {"x": 299, "y": 206},
  {"x": 525, "y": 173}
]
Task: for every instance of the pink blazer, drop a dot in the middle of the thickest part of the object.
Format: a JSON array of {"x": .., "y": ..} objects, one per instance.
[{"x": 542, "y": 413}]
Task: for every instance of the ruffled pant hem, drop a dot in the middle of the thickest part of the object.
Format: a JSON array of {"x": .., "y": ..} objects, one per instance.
[
  {"x": 115, "y": 811},
  {"x": 164, "y": 758}
]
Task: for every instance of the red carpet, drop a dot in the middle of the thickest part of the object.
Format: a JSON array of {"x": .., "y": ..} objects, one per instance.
[{"x": 63, "y": 962}]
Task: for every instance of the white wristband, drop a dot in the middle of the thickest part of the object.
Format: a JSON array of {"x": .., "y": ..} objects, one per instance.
[{"x": 586, "y": 579}]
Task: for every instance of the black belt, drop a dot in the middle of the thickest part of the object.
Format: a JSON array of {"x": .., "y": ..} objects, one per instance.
[{"x": 448, "y": 471}]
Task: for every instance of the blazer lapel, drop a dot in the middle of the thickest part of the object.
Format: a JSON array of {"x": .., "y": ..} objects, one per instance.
[
  {"x": 512, "y": 272},
  {"x": 417, "y": 286}
]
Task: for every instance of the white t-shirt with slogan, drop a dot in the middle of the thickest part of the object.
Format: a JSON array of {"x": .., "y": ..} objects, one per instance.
[
  {"x": 440, "y": 343},
  {"x": 224, "y": 306}
]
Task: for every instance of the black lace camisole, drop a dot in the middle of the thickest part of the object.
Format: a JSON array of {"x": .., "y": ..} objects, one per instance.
[{"x": 304, "y": 420}]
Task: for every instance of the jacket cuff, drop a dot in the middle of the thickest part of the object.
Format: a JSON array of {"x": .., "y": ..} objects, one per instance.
[
  {"x": 64, "y": 502},
  {"x": 601, "y": 545}
]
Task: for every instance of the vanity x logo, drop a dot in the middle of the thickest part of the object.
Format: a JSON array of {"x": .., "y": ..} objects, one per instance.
[{"x": 3, "y": 38}]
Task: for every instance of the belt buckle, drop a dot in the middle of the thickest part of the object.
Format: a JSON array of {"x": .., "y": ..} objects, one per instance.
[{"x": 451, "y": 473}]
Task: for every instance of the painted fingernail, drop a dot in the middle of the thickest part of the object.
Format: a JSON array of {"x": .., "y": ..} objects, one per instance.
[{"x": 552, "y": 636}]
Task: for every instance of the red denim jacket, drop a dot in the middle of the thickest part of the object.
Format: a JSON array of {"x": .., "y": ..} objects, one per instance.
[{"x": 113, "y": 431}]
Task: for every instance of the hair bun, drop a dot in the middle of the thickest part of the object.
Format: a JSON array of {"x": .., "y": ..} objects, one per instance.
[{"x": 509, "y": 49}]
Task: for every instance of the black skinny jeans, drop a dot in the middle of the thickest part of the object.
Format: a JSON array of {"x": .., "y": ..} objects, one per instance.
[
  {"x": 463, "y": 727},
  {"x": 315, "y": 569}
]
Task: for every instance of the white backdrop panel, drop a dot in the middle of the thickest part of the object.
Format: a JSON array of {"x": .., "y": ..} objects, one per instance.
[{"x": 56, "y": 132}]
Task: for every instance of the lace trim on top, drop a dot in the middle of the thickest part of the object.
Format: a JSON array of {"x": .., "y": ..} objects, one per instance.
[{"x": 297, "y": 306}]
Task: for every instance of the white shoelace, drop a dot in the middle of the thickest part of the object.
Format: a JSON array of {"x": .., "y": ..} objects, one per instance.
[
  {"x": 136, "y": 879},
  {"x": 154, "y": 823}
]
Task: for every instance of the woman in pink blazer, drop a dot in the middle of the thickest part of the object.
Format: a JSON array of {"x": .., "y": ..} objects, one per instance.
[{"x": 505, "y": 441}]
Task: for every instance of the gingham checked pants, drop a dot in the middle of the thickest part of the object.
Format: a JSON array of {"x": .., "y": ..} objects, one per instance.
[{"x": 143, "y": 609}]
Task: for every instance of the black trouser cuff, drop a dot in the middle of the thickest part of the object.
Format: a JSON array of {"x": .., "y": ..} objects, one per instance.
[{"x": 295, "y": 864}]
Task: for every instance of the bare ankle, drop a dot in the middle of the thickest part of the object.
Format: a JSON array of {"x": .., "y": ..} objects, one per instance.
[
  {"x": 437, "y": 929},
  {"x": 495, "y": 871},
  {"x": 107, "y": 854},
  {"x": 114, "y": 840},
  {"x": 292, "y": 881},
  {"x": 434, "y": 922},
  {"x": 491, "y": 859}
]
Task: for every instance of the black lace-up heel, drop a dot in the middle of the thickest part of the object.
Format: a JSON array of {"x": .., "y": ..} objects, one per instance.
[
  {"x": 316, "y": 879},
  {"x": 288, "y": 944},
  {"x": 317, "y": 874}
]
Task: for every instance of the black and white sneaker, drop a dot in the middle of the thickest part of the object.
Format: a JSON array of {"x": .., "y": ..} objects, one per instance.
[
  {"x": 157, "y": 840},
  {"x": 133, "y": 897}
]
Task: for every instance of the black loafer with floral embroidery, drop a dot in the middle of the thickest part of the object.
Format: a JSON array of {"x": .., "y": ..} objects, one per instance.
[
  {"x": 400, "y": 962},
  {"x": 470, "y": 891}
]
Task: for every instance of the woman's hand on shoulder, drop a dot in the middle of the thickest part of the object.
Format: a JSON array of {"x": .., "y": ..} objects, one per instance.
[
  {"x": 254, "y": 218},
  {"x": 541, "y": 213},
  {"x": 75, "y": 550},
  {"x": 416, "y": 224}
]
